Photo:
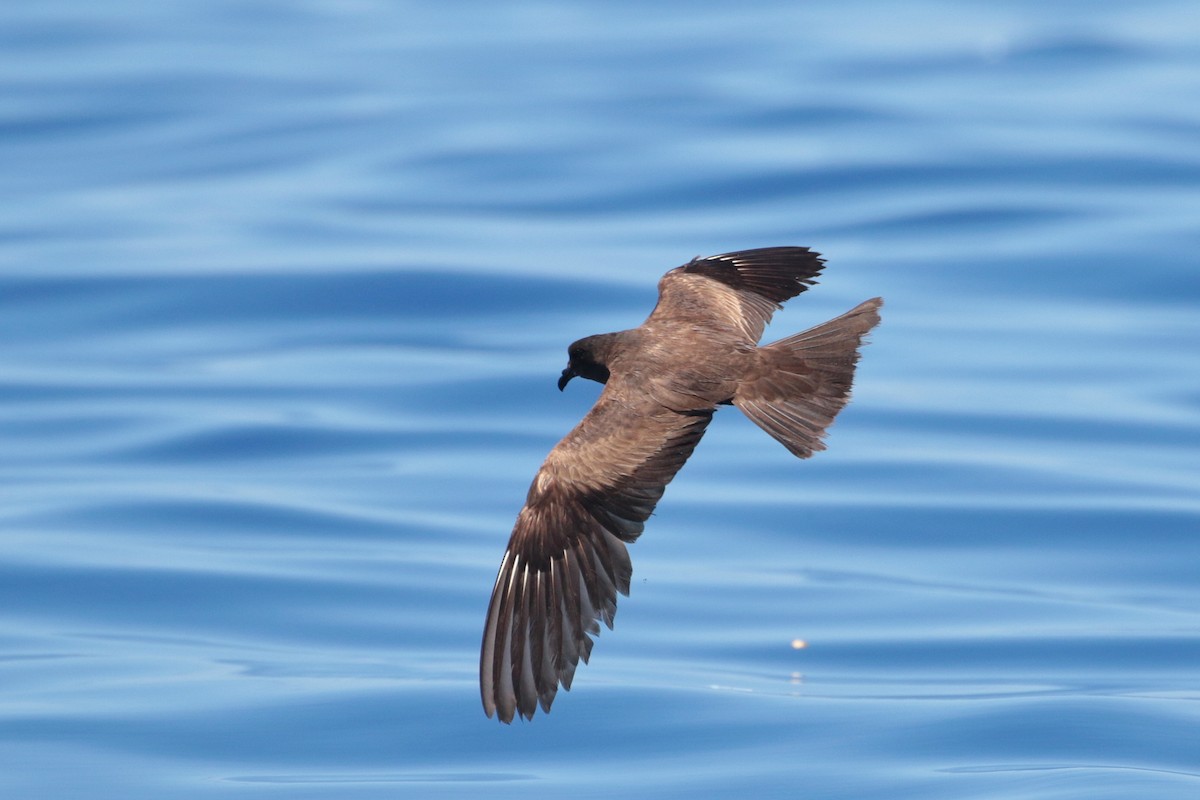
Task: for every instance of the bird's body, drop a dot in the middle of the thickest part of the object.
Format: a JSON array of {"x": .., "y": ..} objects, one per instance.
[{"x": 567, "y": 559}]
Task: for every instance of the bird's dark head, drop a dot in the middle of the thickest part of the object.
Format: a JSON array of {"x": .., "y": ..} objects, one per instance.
[{"x": 587, "y": 359}]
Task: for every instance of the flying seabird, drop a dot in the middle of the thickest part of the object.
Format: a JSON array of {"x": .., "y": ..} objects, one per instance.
[{"x": 566, "y": 560}]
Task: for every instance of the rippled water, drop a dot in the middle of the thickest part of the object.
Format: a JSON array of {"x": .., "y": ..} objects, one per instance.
[{"x": 284, "y": 291}]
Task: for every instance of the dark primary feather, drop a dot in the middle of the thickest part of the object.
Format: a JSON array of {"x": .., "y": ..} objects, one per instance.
[{"x": 776, "y": 273}]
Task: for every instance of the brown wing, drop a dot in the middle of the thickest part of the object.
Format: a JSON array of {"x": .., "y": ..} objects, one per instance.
[
  {"x": 566, "y": 560},
  {"x": 739, "y": 291}
]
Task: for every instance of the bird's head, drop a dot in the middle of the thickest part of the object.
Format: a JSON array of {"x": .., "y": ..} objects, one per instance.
[{"x": 587, "y": 359}]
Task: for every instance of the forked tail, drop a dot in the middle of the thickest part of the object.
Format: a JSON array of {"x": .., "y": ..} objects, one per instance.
[{"x": 801, "y": 383}]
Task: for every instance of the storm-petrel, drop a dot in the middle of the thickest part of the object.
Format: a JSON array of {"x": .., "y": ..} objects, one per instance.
[{"x": 663, "y": 380}]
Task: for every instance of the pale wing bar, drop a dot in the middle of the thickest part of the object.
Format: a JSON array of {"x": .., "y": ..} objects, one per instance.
[{"x": 742, "y": 289}]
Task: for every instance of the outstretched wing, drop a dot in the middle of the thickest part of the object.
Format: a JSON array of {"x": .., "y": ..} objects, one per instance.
[
  {"x": 735, "y": 291},
  {"x": 566, "y": 560}
]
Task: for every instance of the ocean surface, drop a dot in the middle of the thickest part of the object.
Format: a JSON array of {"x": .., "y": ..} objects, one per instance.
[{"x": 285, "y": 288}]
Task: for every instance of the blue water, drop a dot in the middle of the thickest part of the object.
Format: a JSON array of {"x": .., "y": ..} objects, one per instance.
[{"x": 284, "y": 292}]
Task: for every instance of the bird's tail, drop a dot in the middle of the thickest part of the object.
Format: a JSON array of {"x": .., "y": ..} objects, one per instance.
[{"x": 801, "y": 383}]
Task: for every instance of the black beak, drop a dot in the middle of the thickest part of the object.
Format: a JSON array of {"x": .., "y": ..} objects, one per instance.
[{"x": 567, "y": 374}]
